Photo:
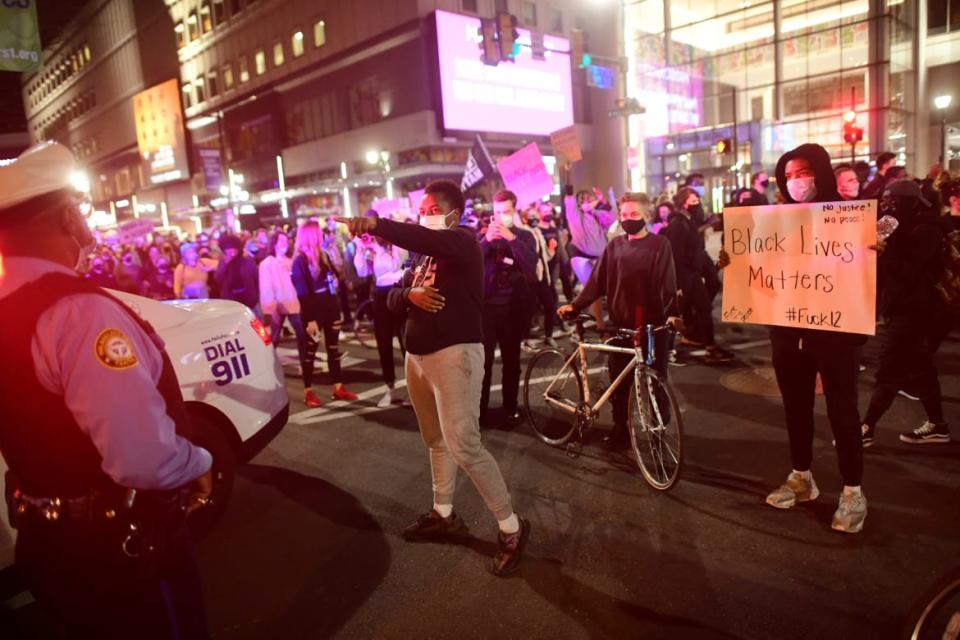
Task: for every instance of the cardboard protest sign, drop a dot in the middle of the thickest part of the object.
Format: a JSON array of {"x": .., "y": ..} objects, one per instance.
[
  {"x": 525, "y": 174},
  {"x": 802, "y": 265},
  {"x": 566, "y": 144},
  {"x": 133, "y": 229}
]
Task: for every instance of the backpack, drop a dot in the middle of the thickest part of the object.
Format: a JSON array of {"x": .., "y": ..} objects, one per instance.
[{"x": 949, "y": 285}]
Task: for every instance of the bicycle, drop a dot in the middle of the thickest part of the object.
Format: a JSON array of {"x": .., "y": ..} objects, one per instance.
[{"x": 556, "y": 393}]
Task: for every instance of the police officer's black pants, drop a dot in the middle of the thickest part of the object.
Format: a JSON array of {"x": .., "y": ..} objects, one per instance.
[
  {"x": 78, "y": 572},
  {"x": 503, "y": 325},
  {"x": 617, "y": 362},
  {"x": 907, "y": 346},
  {"x": 796, "y": 364},
  {"x": 386, "y": 325}
]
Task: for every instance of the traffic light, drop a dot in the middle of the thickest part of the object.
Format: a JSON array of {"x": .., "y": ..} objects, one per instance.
[
  {"x": 489, "y": 47},
  {"x": 852, "y": 134},
  {"x": 580, "y": 59},
  {"x": 507, "y": 34},
  {"x": 724, "y": 146}
]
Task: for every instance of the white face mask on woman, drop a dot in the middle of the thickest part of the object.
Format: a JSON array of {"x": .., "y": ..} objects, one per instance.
[{"x": 802, "y": 189}]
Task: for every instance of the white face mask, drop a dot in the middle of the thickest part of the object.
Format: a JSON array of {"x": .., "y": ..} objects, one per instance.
[
  {"x": 435, "y": 222},
  {"x": 802, "y": 189},
  {"x": 849, "y": 192},
  {"x": 506, "y": 219}
]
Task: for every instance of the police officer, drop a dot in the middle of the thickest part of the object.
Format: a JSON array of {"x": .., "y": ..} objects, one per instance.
[{"x": 90, "y": 411}]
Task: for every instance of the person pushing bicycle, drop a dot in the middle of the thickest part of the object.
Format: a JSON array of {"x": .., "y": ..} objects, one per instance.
[{"x": 636, "y": 274}]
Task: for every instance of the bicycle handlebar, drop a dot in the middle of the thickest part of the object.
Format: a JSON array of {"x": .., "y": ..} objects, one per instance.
[{"x": 620, "y": 332}]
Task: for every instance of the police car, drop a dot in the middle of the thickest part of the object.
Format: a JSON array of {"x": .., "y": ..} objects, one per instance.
[{"x": 232, "y": 384}]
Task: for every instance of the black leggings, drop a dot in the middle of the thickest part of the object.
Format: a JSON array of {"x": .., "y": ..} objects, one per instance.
[
  {"x": 386, "y": 325},
  {"x": 796, "y": 364},
  {"x": 907, "y": 346},
  {"x": 617, "y": 362},
  {"x": 331, "y": 338}
]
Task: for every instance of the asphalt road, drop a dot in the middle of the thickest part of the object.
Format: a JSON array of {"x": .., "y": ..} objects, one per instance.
[{"x": 310, "y": 546}]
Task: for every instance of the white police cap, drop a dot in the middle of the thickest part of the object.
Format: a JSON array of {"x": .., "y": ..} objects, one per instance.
[{"x": 43, "y": 168}]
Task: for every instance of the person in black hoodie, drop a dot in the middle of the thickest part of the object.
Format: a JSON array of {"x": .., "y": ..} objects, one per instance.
[
  {"x": 442, "y": 295},
  {"x": 908, "y": 269},
  {"x": 805, "y": 175}
]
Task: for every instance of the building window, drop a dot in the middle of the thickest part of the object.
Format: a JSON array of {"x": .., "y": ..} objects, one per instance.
[
  {"x": 500, "y": 6},
  {"x": 319, "y": 33},
  {"x": 187, "y": 95},
  {"x": 234, "y": 7},
  {"x": 227, "y": 76},
  {"x": 219, "y": 12},
  {"x": 260, "y": 62},
  {"x": 213, "y": 87},
  {"x": 277, "y": 54},
  {"x": 86, "y": 52},
  {"x": 470, "y": 5},
  {"x": 556, "y": 19},
  {"x": 206, "y": 18},
  {"x": 244, "y": 72},
  {"x": 198, "y": 90},
  {"x": 529, "y": 14},
  {"x": 193, "y": 26},
  {"x": 296, "y": 44}
]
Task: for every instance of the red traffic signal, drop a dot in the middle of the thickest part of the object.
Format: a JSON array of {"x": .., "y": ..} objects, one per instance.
[
  {"x": 851, "y": 134},
  {"x": 724, "y": 146}
]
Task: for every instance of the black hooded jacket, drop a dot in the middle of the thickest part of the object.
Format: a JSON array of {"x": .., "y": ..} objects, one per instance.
[
  {"x": 826, "y": 183},
  {"x": 819, "y": 161}
]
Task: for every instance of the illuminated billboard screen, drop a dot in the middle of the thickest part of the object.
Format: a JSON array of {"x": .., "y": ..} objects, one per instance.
[
  {"x": 529, "y": 97},
  {"x": 160, "y": 136}
]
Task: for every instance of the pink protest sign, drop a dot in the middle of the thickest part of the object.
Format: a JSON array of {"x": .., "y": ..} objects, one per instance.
[
  {"x": 802, "y": 265},
  {"x": 525, "y": 174}
]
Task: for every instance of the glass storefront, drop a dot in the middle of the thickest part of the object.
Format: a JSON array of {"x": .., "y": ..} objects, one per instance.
[{"x": 766, "y": 76}]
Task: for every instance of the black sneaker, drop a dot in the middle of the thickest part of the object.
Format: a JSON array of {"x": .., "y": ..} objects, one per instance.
[
  {"x": 618, "y": 439},
  {"x": 509, "y": 550},
  {"x": 715, "y": 355},
  {"x": 433, "y": 526},
  {"x": 927, "y": 433}
]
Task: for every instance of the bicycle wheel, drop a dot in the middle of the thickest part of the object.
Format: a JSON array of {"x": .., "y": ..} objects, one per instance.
[
  {"x": 363, "y": 324},
  {"x": 551, "y": 393},
  {"x": 656, "y": 429}
]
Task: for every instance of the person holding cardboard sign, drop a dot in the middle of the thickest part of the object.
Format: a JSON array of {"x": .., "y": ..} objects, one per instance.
[{"x": 805, "y": 175}]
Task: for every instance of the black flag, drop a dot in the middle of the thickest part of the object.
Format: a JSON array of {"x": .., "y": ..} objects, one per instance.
[{"x": 479, "y": 166}]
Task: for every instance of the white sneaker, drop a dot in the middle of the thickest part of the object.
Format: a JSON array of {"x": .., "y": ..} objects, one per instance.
[
  {"x": 850, "y": 514},
  {"x": 795, "y": 489},
  {"x": 386, "y": 400}
]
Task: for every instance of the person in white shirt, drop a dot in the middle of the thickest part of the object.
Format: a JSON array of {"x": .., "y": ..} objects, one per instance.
[
  {"x": 384, "y": 261},
  {"x": 278, "y": 298}
]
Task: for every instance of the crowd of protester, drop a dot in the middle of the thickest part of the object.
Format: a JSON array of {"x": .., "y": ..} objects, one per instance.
[{"x": 314, "y": 277}]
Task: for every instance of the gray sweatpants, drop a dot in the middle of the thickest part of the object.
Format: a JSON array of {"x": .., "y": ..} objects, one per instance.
[{"x": 444, "y": 388}]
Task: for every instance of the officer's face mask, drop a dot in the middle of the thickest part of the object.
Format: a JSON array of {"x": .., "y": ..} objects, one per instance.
[
  {"x": 441, "y": 221},
  {"x": 802, "y": 189}
]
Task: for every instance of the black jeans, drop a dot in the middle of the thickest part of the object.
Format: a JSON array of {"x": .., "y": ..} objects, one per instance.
[
  {"x": 503, "y": 325},
  {"x": 543, "y": 294},
  {"x": 617, "y": 362},
  {"x": 386, "y": 325},
  {"x": 796, "y": 364},
  {"x": 696, "y": 307},
  {"x": 78, "y": 572},
  {"x": 907, "y": 346},
  {"x": 331, "y": 338}
]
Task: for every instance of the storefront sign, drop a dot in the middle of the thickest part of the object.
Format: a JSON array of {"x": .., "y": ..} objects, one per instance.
[
  {"x": 212, "y": 172},
  {"x": 19, "y": 36},
  {"x": 525, "y": 174},
  {"x": 802, "y": 265},
  {"x": 160, "y": 135}
]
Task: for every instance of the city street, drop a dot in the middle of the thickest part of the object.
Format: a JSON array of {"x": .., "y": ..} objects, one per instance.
[{"x": 310, "y": 544}]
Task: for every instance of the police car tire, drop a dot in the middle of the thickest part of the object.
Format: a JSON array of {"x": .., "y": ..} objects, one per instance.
[{"x": 210, "y": 437}]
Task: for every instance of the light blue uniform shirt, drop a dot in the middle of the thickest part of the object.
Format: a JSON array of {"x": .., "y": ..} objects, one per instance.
[{"x": 119, "y": 408}]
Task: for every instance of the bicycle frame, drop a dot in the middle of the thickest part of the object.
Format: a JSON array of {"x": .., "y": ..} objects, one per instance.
[{"x": 581, "y": 352}]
